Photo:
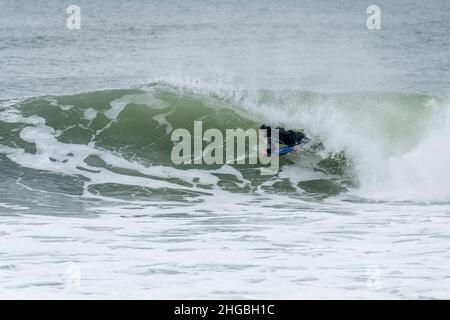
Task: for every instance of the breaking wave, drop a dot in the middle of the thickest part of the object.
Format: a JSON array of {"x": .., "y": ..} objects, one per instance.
[{"x": 116, "y": 143}]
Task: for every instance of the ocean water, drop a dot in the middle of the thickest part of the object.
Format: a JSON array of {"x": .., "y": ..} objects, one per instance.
[{"x": 91, "y": 205}]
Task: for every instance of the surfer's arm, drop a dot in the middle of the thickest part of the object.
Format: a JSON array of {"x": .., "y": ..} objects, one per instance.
[{"x": 297, "y": 148}]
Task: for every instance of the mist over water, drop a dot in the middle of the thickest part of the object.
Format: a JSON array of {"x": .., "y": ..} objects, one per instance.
[{"x": 87, "y": 183}]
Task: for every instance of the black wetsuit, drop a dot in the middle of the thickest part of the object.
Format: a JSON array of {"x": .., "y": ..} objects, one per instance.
[{"x": 287, "y": 137}]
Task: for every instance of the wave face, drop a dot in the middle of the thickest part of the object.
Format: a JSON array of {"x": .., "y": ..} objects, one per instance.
[{"x": 116, "y": 144}]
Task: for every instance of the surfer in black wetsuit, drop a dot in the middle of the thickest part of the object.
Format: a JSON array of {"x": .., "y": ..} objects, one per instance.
[{"x": 289, "y": 138}]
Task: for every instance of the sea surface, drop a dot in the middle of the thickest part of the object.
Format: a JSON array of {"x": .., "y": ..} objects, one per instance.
[{"x": 92, "y": 205}]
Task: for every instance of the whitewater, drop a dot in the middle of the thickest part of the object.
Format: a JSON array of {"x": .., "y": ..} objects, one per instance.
[{"x": 92, "y": 205}]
